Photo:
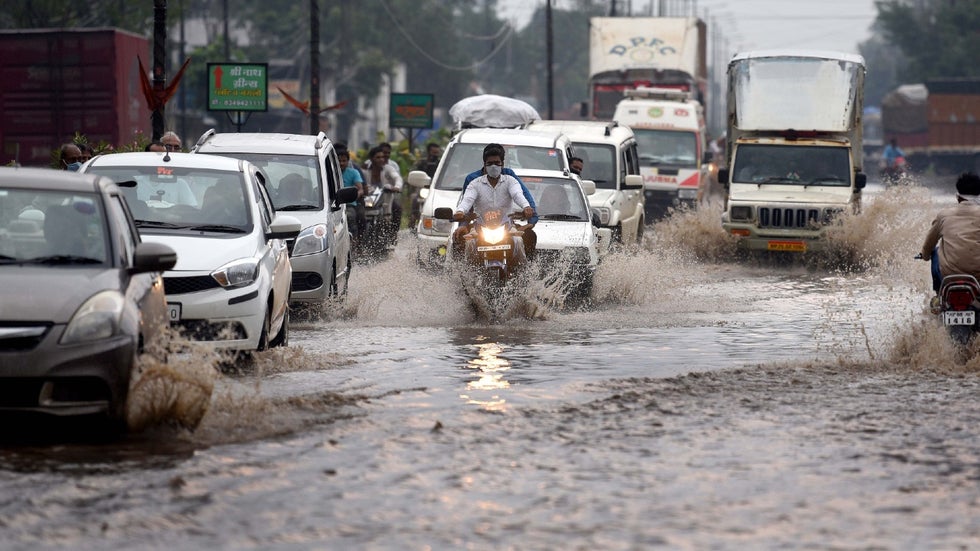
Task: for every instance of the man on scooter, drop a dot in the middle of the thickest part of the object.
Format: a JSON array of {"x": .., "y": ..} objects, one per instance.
[
  {"x": 494, "y": 191},
  {"x": 959, "y": 229}
]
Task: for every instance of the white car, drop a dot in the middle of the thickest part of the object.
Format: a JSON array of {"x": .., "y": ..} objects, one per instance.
[
  {"x": 304, "y": 180},
  {"x": 464, "y": 155},
  {"x": 230, "y": 286},
  {"x": 568, "y": 241}
]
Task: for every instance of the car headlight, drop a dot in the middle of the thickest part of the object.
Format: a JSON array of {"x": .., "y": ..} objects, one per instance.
[
  {"x": 311, "y": 240},
  {"x": 741, "y": 213},
  {"x": 604, "y": 214},
  {"x": 435, "y": 226},
  {"x": 97, "y": 318},
  {"x": 494, "y": 235},
  {"x": 832, "y": 216},
  {"x": 237, "y": 273},
  {"x": 687, "y": 193}
]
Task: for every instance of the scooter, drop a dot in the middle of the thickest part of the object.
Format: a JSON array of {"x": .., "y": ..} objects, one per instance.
[
  {"x": 959, "y": 302},
  {"x": 380, "y": 233},
  {"x": 489, "y": 244}
]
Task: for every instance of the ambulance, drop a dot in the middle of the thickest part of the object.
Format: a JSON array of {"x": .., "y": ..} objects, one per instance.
[{"x": 671, "y": 141}]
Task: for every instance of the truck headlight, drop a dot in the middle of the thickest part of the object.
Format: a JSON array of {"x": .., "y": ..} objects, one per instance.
[
  {"x": 687, "y": 193},
  {"x": 741, "y": 213},
  {"x": 832, "y": 215},
  {"x": 237, "y": 273},
  {"x": 604, "y": 214},
  {"x": 311, "y": 240},
  {"x": 97, "y": 318}
]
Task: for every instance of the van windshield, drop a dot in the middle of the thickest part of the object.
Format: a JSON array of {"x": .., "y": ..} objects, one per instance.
[
  {"x": 464, "y": 158},
  {"x": 670, "y": 148},
  {"x": 780, "y": 164}
]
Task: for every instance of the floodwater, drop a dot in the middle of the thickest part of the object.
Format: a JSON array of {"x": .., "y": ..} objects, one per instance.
[{"x": 703, "y": 401}]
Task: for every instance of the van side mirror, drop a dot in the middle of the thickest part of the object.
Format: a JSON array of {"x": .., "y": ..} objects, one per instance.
[
  {"x": 860, "y": 180},
  {"x": 346, "y": 195},
  {"x": 633, "y": 181},
  {"x": 707, "y": 157},
  {"x": 723, "y": 176}
]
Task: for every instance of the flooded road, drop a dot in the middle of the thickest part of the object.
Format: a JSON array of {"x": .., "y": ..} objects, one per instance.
[{"x": 704, "y": 401}]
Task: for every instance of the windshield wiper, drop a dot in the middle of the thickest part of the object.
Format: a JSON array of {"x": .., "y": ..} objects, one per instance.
[
  {"x": 779, "y": 180},
  {"x": 217, "y": 228},
  {"x": 827, "y": 179},
  {"x": 299, "y": 207},
  {"x": 561, "y": 217},
  {"x": 63, "y": 259},
  {"x": 157, "y": 224}
]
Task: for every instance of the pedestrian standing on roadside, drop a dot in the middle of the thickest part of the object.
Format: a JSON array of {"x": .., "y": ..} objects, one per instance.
[
  {"x": 171, "y": 141},
  {"x": 70, "y": 157}
]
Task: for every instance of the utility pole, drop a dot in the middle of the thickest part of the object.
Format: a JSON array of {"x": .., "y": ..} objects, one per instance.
[
  {"x": 183, "y": 89},
  {"x": 159, "y": 62},
  {"x": 550, "y": 56},
  {"x": 314, "y": 67}
]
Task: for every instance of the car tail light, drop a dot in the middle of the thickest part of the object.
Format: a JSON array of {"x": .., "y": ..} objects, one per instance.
[{"x": 959, "y": 299}]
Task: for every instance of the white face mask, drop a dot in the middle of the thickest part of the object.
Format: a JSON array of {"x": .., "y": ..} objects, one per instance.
[{"x": 494, "y": 171}]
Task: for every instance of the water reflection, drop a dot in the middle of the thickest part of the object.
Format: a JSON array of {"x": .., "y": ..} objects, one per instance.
[{"x": 490, "y": 367}]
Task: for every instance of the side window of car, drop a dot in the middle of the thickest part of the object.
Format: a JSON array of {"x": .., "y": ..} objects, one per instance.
[
  {"x": 262, "y": 199},
  {"x": 127, "y": 234},
  {"x": 332, "y": 171},
  {"x": 632, "y": 159}
]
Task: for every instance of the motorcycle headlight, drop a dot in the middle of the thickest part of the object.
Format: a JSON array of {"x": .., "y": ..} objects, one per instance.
[
  {"x": 494, "y": 235},
  {"x": 311, "y": 240},
  {"x": 237, "y": 273},
  {"x": 97, "y": 318},
  {"x": 369, "y": 201}
]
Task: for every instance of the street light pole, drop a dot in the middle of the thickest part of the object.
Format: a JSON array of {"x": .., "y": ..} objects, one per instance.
[
  {"x": 159, "y": 63},
  {"x": 550, "y": 38},
  {"x": 314, "y": 67}
]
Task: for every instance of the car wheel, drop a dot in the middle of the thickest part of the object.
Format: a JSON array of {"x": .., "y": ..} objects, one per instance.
[
  {"x": 282, "y": 337},
  {"x": 266, "y": 326}
]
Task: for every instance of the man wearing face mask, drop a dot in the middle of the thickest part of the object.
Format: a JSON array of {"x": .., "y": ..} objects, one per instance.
[
  {"x": 70, "y": 157},
  {"x": 493, "y": 191}
]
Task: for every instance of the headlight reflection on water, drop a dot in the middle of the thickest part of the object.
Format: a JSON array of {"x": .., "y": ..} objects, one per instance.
[{"x": 491, "y": 368}]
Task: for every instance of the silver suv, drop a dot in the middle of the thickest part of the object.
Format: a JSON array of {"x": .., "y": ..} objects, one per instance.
[{"x": 303, "y": 178}]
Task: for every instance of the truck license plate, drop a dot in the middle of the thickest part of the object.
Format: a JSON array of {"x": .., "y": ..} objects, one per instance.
[
  {"x": 493, "y": 248},
  {"x": 790, "y": 246},
  {"x": 173, "y": 311},
  {"x": 964, "y": 317}
]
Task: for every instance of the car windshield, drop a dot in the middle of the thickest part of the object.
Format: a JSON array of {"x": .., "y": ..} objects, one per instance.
[
  {"x": 169, "y": 198},
  {"x": 599, "y": 164},
  {"x": 464, "y": 158},
  {"x": 54, "y": 228},
  {"x": 673, "y": 148},
  {"x": 780, "y": 164},
  {"x": 557, "y": 198},
  {"x": 293, "y": 179}
]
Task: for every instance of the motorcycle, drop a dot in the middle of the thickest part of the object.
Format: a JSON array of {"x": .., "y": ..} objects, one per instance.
[
  {"x": 959, "y": 302},
  {"x": 380, "y": 232},
  {"x": 489, "y": 243}
]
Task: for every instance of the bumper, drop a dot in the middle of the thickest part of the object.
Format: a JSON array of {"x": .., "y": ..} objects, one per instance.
[
  {"x": 311, "y": 277},
  {"x": 752, "y": 238},
  {"x": 79, "y": 379},
  {"x": 660, "y": 200},
  {"x": 229, "y": 319}
]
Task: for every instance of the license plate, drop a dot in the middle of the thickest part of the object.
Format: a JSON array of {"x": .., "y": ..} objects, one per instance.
[
  {"x": 965, "y": 317},
  {"x": 493, "y": 248},
  {"x": 173, "y": 311},
  {"x": 790, "y": 246}
]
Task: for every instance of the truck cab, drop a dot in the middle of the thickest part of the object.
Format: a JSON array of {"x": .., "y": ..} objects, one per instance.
[{"x": 794, "y": 158}]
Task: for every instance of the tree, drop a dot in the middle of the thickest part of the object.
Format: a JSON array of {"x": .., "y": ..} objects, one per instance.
[{"x": 939, "y": 39}]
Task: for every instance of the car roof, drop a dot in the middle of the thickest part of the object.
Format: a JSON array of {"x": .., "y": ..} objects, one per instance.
[
  {"x": 51, "y": 179},
  {"x": 183, "y": 160},
  {"x": 260, "y": 142},
  {"x": 587, "y": 131},
  {"x": 511, "y": 136}
]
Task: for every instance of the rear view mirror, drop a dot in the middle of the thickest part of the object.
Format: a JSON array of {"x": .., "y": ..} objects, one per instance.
[
  {"x": 418, "y": 178},
  {"x": 633, "y": 181},
  {"x": 153, "y": 257},
  {"x": 588, "y": 186},
  {"x": 443, "y": 213},
  {"x": 346, "y": 195},
  {"x": 860, "y": 180},
  {"x": 723, "y": 176}
]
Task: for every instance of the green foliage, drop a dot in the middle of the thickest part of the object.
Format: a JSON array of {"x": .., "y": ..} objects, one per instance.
[{"x": 939, "y": 40}]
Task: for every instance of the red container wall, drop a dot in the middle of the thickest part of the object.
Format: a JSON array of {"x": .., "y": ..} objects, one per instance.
[
  {"x": 56, "y": 83},
  {"x": 954, "y": 121}
]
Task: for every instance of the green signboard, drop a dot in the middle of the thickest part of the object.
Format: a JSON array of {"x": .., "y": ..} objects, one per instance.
[
  {"x": 411, "y": 110},
  {"x": 238, "y": 87}
]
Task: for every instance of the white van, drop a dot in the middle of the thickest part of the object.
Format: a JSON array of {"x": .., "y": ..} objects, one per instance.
[
  {"x": 609, "y": 152},
  {"x": 671, "y": 139}
]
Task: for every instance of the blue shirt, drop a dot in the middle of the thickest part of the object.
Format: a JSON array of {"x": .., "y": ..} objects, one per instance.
[
  {"x": 352, "y": 177},
  {"x": 527, "y": 194}
]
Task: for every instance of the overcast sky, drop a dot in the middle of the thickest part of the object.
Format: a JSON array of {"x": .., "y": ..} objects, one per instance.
[{"x": 754, "y": 24}]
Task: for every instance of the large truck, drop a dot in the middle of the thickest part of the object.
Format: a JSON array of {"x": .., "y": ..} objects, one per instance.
[
  {"x": 936, "y": 124},
  {"x": 629, "y": 52},
  {"x": 794, "y": 148},
  {"x": 56, "y": 82}
]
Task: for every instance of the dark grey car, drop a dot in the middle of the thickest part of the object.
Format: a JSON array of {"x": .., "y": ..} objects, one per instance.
[{"x": 80, "y": 294}]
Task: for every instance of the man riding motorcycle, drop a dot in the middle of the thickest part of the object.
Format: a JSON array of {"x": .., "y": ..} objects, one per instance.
[
  {"x": 959, "y": 229},
  {"x": 494, "y": 191}
]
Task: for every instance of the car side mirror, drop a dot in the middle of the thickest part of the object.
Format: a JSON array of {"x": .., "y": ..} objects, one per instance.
[
  {"x": 418, "y": 178},
  {"x": 153, "y": 257},
  {"x": 708, "y": 157},
  {"x": 633, "y": 181},
  {"x": 283, "y": 227},
  {"x": 860, "y": 180},
  {"x": 588, "y": 186},
  {"x": 346, "y": 195},
  {"x": 723, "y": 176},
  {"x": 443, "y": 213}
]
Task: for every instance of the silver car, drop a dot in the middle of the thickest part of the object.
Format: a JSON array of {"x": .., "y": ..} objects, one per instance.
[{"x": 81, "y": 294}]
